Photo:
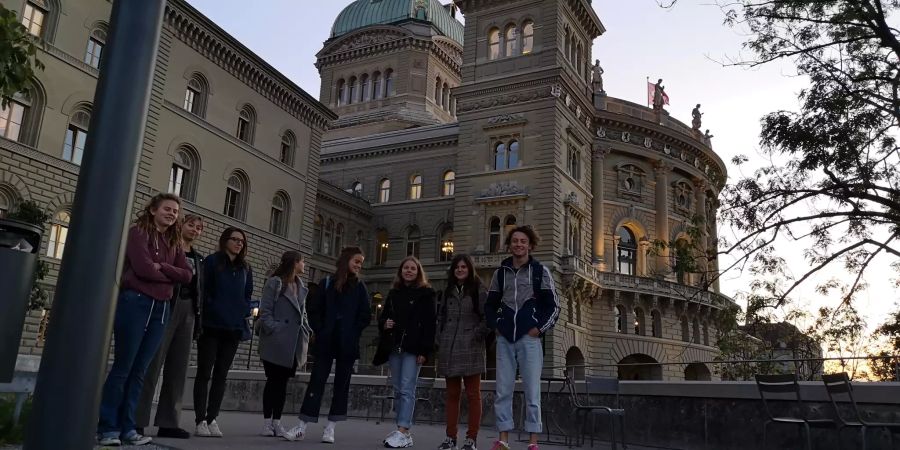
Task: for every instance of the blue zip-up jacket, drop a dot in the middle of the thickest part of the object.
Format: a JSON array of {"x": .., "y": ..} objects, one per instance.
[
  {"x": 227, "y": 293},
  {"x": 518, "y": 308}
]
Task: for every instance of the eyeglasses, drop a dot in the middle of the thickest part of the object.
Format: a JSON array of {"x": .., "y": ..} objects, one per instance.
[{"x": 236, "y": 240}]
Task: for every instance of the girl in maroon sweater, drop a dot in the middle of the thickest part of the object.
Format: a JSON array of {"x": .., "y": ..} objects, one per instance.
[{"x": 154, "y": 264}]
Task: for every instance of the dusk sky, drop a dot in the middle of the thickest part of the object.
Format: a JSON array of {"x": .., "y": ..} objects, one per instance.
[{"x": 684, "y": 46}]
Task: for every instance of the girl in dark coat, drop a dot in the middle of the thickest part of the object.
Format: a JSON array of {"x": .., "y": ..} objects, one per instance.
[
  {"x": 408, "y": 319},
  {"x": 338, "y": 317}
]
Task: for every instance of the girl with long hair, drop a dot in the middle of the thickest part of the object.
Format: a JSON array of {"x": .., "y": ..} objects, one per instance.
[
  {"x": 408, "y": 320},
  {"x": 154, "y": 264},
  {"x": 338, "y": 315},
  {"x": 462, "y": 347},
  {"x": 226, "y": 305},
  {"x": 283, "y": 336}
]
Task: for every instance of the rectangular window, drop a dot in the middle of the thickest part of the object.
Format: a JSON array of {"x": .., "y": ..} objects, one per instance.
[
  {"x": 57, "y": 243},
  {"x": 275, "y": 222},
  {"x": 33, "y": 19},
  {"x": 232, "y": 198},
  {"x": 412, "y": 248},
  {"x": 243, "y": 131},
  {"x": 176, "y": 180},
  {"x": 190, "y": 97},
  {"x": 11, "y": 119},
  {"x": 73, "y": 148},
  {"x": 94, "y": 50}
]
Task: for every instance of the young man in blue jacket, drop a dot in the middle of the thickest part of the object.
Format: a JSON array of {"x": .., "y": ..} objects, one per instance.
[{"x": 522, "y": 306}]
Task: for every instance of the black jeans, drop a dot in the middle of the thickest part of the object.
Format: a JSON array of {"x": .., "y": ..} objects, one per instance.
[
  {"x": 215, "y": 353},
  {"x": 276, "y": 388},
  {"x": 312, "y": 401}
]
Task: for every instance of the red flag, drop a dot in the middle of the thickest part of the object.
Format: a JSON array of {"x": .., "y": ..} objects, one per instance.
[{"x": 651, "y": 92}]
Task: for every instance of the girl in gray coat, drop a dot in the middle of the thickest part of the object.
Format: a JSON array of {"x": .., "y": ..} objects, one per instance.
[
  {"x": 283, "y": 336},
  {"x": 461, "y": 354}
]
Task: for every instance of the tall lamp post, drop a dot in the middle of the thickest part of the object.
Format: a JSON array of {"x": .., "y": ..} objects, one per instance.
[
  {"x": 254, "y": 316},
  {"x": 67, "y": 395}
]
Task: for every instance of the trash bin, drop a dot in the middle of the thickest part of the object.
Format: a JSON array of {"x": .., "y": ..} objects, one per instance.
[{"x": 19, "y": 246}]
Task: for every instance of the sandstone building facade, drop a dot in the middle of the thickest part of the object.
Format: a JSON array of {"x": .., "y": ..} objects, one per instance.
[{"x": 430, "y": 138}]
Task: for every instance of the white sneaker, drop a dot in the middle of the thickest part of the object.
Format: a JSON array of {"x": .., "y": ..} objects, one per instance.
[
  {"x": 136, "y": 438},
  {"x": 448, "y": 444},
  {"x": 398, "y": 439},
  {"x": 202, "y": 430},
  {"x": 296, "y": 433},
  {"x": 278, "y": 429},
  {"x": 268, "y": 429},
  {"x": 468, "y": 444},
  {"x": 328, "y": 435},
  {"x": 214, "y": 430},
  {"x": 111, "y": 441}
]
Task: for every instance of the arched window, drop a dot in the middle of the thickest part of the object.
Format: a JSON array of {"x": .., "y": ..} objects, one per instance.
[
  {"x": 685, "y": 332},
  {"x": 317, "y": 233},
  {"x": 413, "y": 241},
  {"x": 246, "y": 124},
  {"x": 500, "y": 156},
  {"x": 449, "y": 183},
  {"x": 513, "y": 157},
  {"x": 360, "y": 237},
  {"x": 573, "y": 236},
  {"x": 384, "y": 191},
  {"x": 681, "y": 259},
  {"x": 327, "y": 237},
  {"x": 574, "y": 162},
  {"x": 656, "y": 323},
  {"x": 527, "y": 37},
  {"x": 12, "y": 118},
  {"x": 640, "y": 323},
  {"x": 494, "y": 228},
  {"x": 493, "y": 43},
  {"x": 415, "y": 187},
  {"x": 630, "y": 180},
  {"x": 356, "y": 188},
  {"x": 377, "y": 92},
  {"x": 445, "y": 244},
  {"x": 511, "y": 40},
  {"x": 184, "y": 173},
  {"x": 506, "y": 155},
  {"x": 95, "y": 45},
  {"x": 620, "y": 319},
  {"x": 341, "y": 92},
  {"x": 508, "y": 224},
  {"x": 278, "y": 220},
  {"x": 338, "y": 238},
  {"x": 579, "y": 64},
  {"x": 626, "y": 249},
  {"x": 446, "y": 99},
  {"x": 236, "y": 193},
  {"x": 438, "y": 95},
  {"x": 288, "y": 144},
  {"x": 196, "y": 94},
  {"x": 568, "y": 42},
  {"x": 381, "y": 247},
  {"x": 364, "y": 88},
  {"x": 696, "y": 329},
  {"x": 59, "y": 230},
  {"x": 76, "y": 134},
  {"x": 353, "y": 91},
  {"x": 388, "y": 83},
  {"x": 7, "y": 200}
]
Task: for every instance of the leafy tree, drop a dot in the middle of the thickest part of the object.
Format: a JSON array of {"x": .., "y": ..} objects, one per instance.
[
  {"x": 886, "y": 366},
  {"x": 17, "y": 56},
  {"x": 833, "y": 178}
]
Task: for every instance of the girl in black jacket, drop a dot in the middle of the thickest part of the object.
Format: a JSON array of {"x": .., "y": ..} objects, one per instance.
[{"x": 409, "y": 322}]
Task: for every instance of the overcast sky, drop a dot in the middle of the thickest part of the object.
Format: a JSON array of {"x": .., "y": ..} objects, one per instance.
[{"x": 684, "y": 45}]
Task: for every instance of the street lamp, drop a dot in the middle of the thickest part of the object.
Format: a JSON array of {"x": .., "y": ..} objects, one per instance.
[{"x": 254, "y": 315}]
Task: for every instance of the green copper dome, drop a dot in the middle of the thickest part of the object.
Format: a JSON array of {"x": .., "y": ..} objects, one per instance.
[{"x": 363, "y": 13}]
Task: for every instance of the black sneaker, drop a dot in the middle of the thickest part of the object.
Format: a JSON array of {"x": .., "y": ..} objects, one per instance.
[
  {"x": 468, "y": 444},
  {"x": 448, "y": 444},
  {"x": 175, "y": 433}
]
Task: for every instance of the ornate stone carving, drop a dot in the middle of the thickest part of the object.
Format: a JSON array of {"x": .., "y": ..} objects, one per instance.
[
  {"x": 556, "y": 90},
  {"x": 648, "y": 142},
  {"x": 503, "y": 189},
  {"x": 667, "y": 149},
  {"x": 366, "y": 40},
  {"x": 601, "y": 132},
  {"x": 506, "y": 118},
  {"x": 626, "y": 136},
  {"x": 502, "y": 99}
]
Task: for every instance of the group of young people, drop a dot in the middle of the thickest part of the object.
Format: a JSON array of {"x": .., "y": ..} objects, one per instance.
[{"x": 171, "y": 295}]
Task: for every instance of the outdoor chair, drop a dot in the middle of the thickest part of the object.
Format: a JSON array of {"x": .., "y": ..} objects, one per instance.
[
  {"x": 838, "y": 385},
  {"x": 786, "y": 387},
  {"x": 422, "y": 383},
  {"x": 586, "y": 411}
]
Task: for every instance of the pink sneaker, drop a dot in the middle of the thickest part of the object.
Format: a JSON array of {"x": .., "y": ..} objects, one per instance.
[
  {"x": 533, "y": 447},
  {"x": 500, "y": 445}
]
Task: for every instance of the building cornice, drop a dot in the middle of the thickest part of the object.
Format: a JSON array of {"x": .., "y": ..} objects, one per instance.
[
  {"x": 337, "y": 196},
  {"x": 381, "y": 40},
  {"x": 205, "y": 37}
]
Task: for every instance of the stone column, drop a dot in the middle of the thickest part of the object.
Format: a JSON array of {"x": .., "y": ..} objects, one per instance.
[
  {"x": 700, "y": 210},
  {"x": 597, "y": 217},
  {"x": 662, "y": 214}
]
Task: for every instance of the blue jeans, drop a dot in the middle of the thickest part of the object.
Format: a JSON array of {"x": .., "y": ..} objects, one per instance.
[
  {"x": 528, "y": 355},
  {"x": 404, "y": 374},
  {"x": 138, "y": 331}
]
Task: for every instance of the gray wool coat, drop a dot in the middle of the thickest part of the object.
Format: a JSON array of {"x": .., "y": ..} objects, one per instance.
[
  {"x": 461, "y": 335},
  {"x": 284, "y": 328}
]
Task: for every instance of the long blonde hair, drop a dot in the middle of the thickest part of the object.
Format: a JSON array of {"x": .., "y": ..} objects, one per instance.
[
  {"x": 421, "y": 278},
  {"x": 144, "y": 219}
]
